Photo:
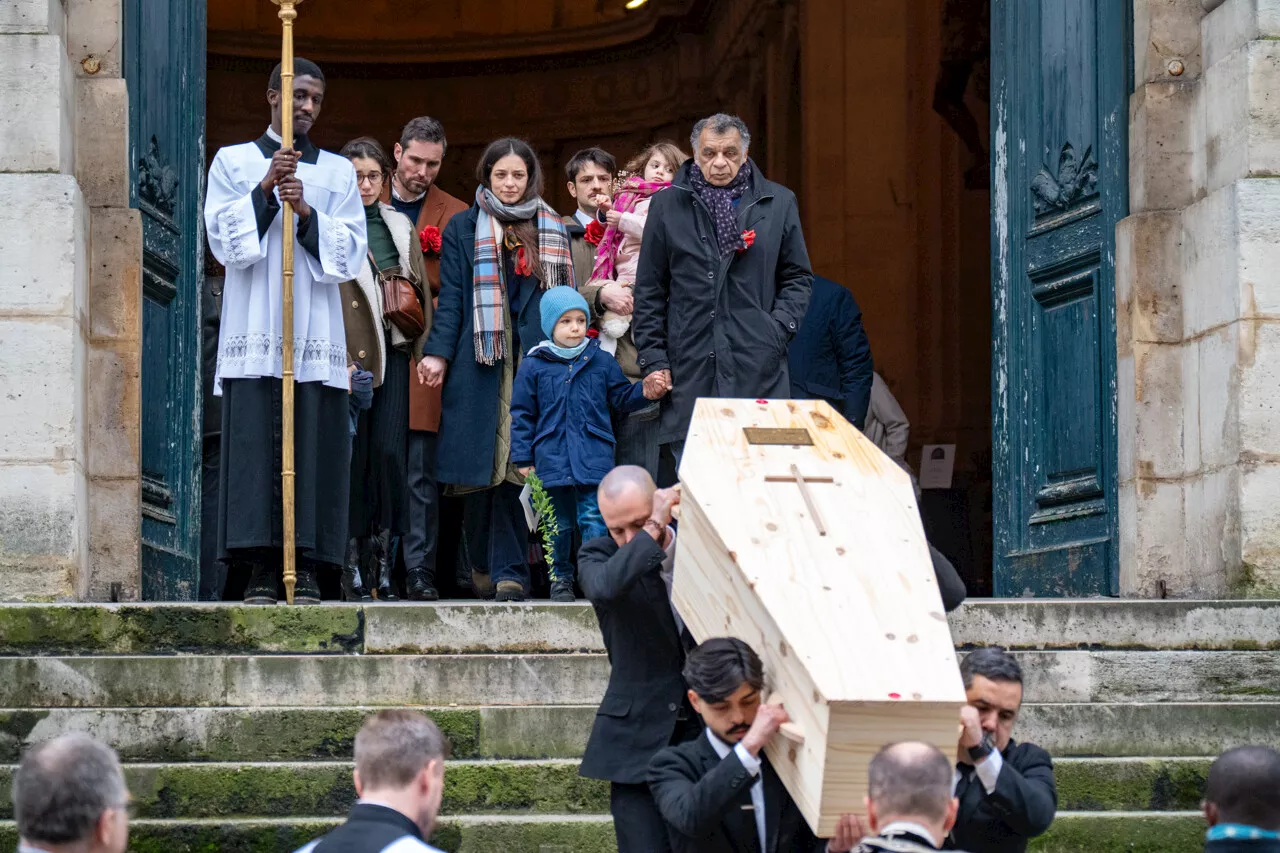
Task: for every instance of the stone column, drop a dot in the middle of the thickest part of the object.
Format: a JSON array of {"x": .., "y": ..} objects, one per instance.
[
  {"x": 70, "y": 253},
  {"x": 1198, "y": 303}
]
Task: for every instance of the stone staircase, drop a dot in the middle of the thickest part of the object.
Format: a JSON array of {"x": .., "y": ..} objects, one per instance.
[{"x": 236, "y": 724}]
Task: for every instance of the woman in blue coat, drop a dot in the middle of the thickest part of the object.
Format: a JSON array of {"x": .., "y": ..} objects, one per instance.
[
  {"x": 561, "y": 424},
  {"x": 496, "y": 261}
]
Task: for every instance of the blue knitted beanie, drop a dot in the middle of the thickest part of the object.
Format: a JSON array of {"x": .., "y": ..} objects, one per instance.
[{"x": 556, "y": 301}]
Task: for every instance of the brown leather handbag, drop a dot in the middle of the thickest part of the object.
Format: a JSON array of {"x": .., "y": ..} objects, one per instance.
[{"x": 401, "y": 300}]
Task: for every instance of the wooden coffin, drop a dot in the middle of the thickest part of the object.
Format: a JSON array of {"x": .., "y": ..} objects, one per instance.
[{"x": 838, "y": 596}]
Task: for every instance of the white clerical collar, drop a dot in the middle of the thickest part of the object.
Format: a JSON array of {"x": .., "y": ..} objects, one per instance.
[
  {"x": 271, "y": 134},
  {"x": 899, "y": 827},
  {"x": 395, "y": 192},
  {"x": 583, "y": 219}
]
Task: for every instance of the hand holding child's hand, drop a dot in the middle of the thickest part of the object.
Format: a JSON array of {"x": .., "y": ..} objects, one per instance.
[{"x": 525, "y": 471}]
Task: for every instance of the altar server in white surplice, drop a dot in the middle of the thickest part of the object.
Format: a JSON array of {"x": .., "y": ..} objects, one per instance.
[{"x": 242, "y": 215}]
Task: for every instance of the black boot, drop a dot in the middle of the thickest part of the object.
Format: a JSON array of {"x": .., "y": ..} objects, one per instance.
[
  {"x": 261, "y": 588},
  {"x": 306, "y": 587},
  {"x": 353, "y": 589},
  {"x": 421, "y": 584},
  {"x": 562, "y": 591},
  {"x": 384, "y": 547}
]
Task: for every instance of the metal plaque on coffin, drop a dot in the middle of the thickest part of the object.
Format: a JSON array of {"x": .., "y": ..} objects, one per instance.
[{"x": 798, "y": 536}]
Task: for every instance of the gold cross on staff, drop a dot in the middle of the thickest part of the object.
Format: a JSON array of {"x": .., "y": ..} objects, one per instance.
[{"x": 802, "y": 481}]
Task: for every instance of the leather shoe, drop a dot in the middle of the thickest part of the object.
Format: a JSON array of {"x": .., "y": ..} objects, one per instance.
[
  {"x": 510, "y": 591},
  {"x": 421, "y": 588}
]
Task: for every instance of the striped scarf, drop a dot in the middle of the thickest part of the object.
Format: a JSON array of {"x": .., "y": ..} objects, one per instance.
[
  {"x": 633, "y": 190},
  {"x": 489, "y": 310}
]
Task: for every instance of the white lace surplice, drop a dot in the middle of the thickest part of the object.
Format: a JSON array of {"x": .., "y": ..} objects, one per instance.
[{"x": 250, "y": 343}]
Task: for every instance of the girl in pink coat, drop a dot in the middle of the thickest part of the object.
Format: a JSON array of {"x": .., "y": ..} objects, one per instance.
[{"x": 625, "y": 216}]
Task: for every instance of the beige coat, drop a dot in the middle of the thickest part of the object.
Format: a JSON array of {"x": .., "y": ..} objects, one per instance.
[{"x": 362, "y": 309}]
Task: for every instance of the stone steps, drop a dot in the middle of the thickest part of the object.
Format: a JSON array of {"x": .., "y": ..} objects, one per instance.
[
  {"x": 325, "y": 789},
  {"x": 480, "y": 627},
  {"x": 1072, "y": 832},
  {"x": 560, "y": 731},
  {"x": 566, "y": 678},
  {"x": 236, "y": 724}
]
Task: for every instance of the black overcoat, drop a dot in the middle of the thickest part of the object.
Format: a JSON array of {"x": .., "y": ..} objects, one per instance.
[
  {"x": 469, "y": 402},
  {"x": 721, "y": 325}
]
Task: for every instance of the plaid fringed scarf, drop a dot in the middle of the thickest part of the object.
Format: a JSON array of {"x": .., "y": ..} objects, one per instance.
[
  {"x": 635, "y": 188},
  {"x": 489, "y": 303}
]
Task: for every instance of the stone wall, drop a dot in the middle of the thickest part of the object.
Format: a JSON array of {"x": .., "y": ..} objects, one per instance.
[
  {"x": 70, "y": 287},
  {"x": 1198, "y": 302}
]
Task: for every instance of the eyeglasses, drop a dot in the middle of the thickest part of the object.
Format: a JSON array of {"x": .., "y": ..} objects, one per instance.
[{"x": 374, "y": 178}]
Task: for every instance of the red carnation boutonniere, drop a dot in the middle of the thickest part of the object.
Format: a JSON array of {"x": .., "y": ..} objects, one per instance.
[
  {"x": 430, "y": 239},
  {"x": 595, "y": 232},
  {"x": 748, "y": 240},
  {"x": 522, "y": 263}
]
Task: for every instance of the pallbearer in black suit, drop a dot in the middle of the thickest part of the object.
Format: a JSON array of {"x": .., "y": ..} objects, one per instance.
[
  {"x": 1006, "y": 789},
  {"x": 627, "y": 576},
  {"x": 909, "y": 804},
  {"x": 717, "y": 792}
]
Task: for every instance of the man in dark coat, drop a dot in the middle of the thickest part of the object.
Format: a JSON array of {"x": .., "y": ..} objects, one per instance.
[
  {"x": 830, "y": 357},
  {"x": 718, "y": 793},
  {"x": 722, "y": 284},
  {"x": 1006, "y": 789},
  {"x": 1242, "y": 801},
  {"x": 627, "y": 577}
]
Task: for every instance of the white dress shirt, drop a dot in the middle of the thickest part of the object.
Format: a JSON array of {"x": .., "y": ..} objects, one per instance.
[
  {"x": 752, "y": 764},
  {"x": 988, "y": 773},
  {"x": 583, "y": 219},
  {"x": 899, "y": 827}
]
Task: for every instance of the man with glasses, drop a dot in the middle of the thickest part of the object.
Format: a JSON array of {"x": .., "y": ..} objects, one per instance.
[{"x": 69, "y": 796}]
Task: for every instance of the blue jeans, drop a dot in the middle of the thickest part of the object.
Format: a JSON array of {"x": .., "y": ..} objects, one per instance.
[
  {"x": 497, "y": 538},
  {"x": 573, "y": 504}
]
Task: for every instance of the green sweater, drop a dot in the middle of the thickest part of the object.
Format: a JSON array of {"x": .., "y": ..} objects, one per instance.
[{"x": 380, "y": 242}]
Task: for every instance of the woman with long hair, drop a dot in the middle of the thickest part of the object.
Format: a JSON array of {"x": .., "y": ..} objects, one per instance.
[
  {"x": 496, "y": 261},
  {"x": 378, "y": 513}
]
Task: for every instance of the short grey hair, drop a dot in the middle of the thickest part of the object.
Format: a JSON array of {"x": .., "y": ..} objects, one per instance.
[
  {"x": 62, "y": 788},
  {"x": 992, "y": 663},
  {"x": 719, "y": 124},
  {"x": 910, "y": 779},
  {"x": 394, "y": 745}
]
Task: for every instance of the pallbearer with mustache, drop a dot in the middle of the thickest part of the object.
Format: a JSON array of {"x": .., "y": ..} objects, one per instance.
[{"x": 718, "y": 793}]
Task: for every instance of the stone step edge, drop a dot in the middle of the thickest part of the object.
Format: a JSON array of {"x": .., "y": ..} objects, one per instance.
[
  {"x": 14, "y": 709},
  {"x": 556, "y": 818}
]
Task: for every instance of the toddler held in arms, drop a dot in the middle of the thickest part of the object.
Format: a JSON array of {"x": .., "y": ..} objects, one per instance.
[
  {"x": 625, "y": 216},
  {"x": 560, "y": 423}
]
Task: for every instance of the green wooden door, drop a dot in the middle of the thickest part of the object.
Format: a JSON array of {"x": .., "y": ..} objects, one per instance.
[
  {"x": 164, "y": 54},
  {"x": 1061, "y": 81}
]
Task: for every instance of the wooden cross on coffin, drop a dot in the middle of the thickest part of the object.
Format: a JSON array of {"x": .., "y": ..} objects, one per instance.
[{"x": 793, "y": 438}]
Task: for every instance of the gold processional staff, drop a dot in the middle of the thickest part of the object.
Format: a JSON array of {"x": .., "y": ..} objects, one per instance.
[{"x": 287, "y": 15}]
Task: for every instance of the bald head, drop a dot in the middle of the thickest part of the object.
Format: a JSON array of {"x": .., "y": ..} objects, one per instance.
[
  {"x": 626, "y": 499},
  {"x": 911, "y": 781},
  {"x": 1244, "y": 787}
]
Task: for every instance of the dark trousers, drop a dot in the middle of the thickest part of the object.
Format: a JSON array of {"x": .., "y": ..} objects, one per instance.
[
  {"x": 497, "y": 536},
  {"x": 636, "y": 435},
  {"x": 637, "y": 823},
  {"x": 213, "y": 572},
  {"x": 669, "y": 463},
  {"x": 421, "y": 542}
]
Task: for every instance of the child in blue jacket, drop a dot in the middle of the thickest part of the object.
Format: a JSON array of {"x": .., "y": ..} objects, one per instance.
[{"x": 560, "y": 423}]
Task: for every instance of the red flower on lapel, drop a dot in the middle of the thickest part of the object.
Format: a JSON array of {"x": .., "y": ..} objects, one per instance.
[
  {"x": 593, "y": 332},
  {"x": 595, "y": 232},
  {"x": 522, "y": 262},
  {"x": 748, "y": 240},
  {"x": 430, "y": 239}
]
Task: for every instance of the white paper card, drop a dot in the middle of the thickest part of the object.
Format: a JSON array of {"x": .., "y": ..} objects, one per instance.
[
  {"x": 937, "y": 463},
  {"x": 526, "y": 501}
]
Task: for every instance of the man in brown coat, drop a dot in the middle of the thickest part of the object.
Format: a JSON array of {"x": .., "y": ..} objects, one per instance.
[{"x": 414, "y": 193}]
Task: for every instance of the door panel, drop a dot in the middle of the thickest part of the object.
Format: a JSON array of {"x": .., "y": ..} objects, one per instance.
[
  {"x": 164, "y": 50},
  {"x": 1060, "y": 70}
]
